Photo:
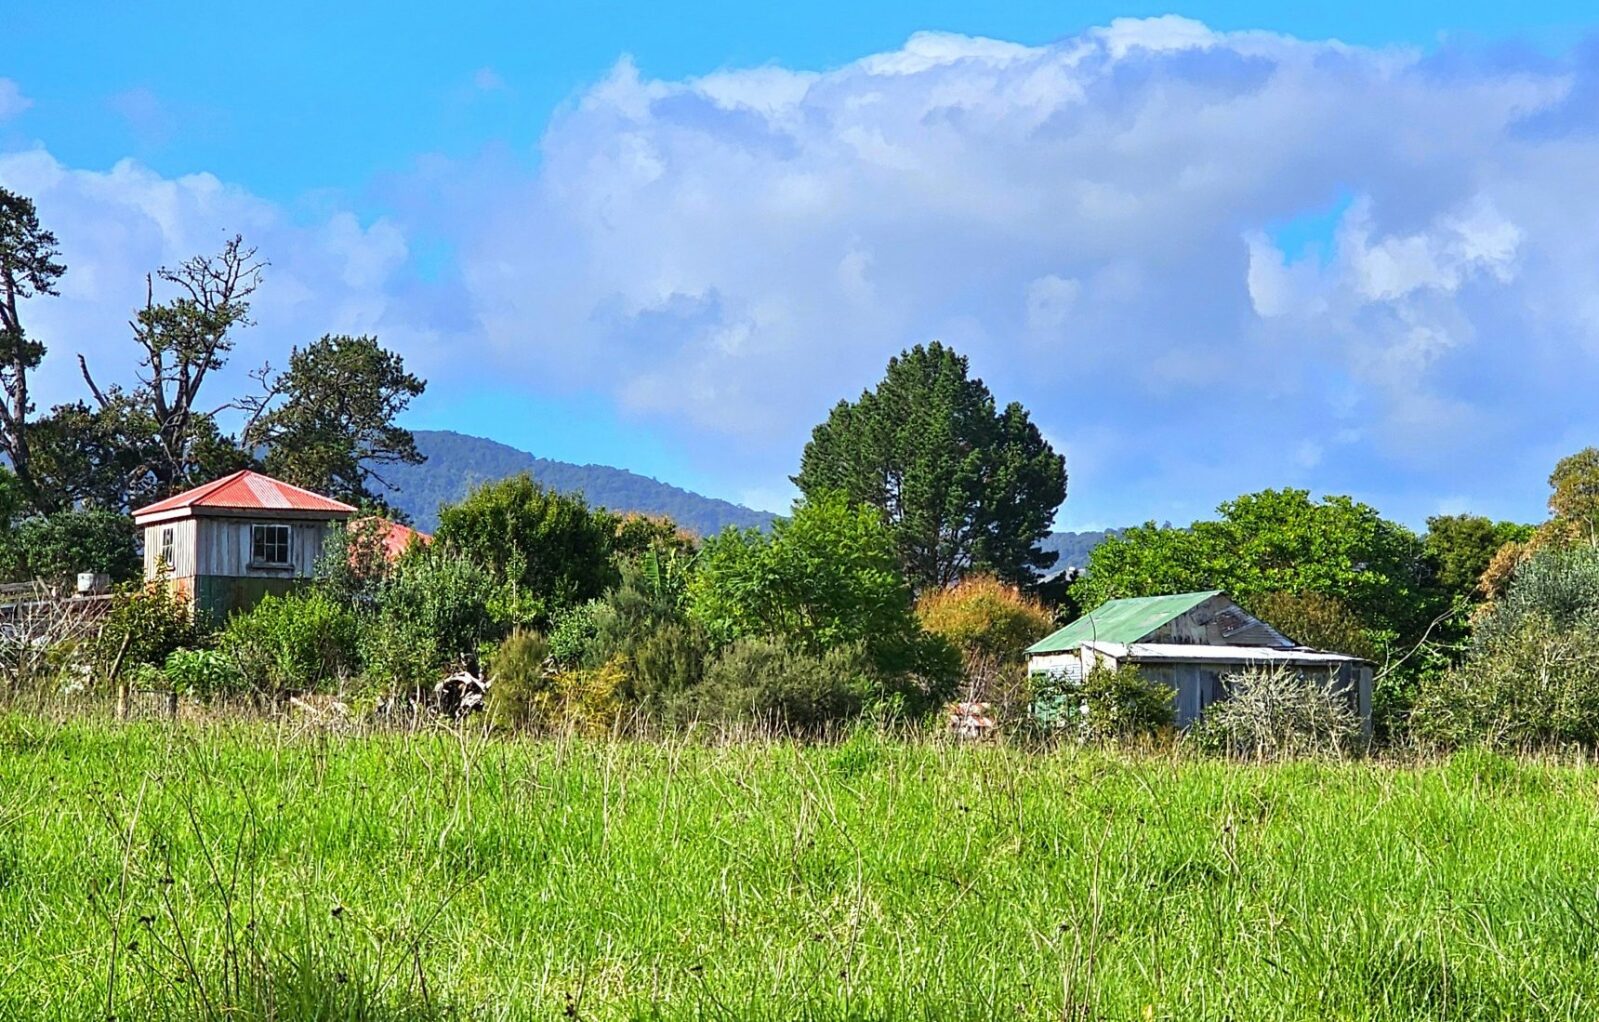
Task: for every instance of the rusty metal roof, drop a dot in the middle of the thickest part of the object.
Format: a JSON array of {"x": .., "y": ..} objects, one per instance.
[{"x": 246, "y": 491}]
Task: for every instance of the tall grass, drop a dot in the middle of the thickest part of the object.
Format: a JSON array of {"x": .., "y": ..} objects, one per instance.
[{"x": 241, "y": 871}]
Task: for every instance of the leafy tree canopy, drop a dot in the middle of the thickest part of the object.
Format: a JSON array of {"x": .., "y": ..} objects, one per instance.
[
  {"x": 334, "y": 429},
  {"x": 826, "y": 578},
  {"x": 552, "y": 550},
  {"x": 1277, "y": 541},
  {"x": 1461, "y": 547},
  {"x": 962, "y": 485}
]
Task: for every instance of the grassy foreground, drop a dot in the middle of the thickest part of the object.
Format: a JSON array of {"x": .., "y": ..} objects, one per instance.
[{"x": 237, "y": 871}]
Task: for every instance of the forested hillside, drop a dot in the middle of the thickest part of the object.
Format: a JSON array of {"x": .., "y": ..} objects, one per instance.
[
  {"x": 1075, "y": 547},
  {"x": 456, "y": 462}
]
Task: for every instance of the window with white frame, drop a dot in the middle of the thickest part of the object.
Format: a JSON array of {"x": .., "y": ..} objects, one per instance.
[
  {"x": 165, "y": 551},
  {"x": 269, "y": 545}
]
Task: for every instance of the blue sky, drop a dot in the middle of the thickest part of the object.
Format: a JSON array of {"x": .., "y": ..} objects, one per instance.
[{"x": 1211, "y": 252}]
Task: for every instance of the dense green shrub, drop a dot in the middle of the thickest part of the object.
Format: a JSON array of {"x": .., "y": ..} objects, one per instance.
[
  {"x": 1279, "y": 713},
  {"x": 55, "y": 548},
  {"x": 1121, "y": 704},
  {"x": 1531, "y": 676},
  {"x": 666, "y": 662},
  {"x": 303, "y": 642},
  {"x": 572, "y": 639},
  {"x": 770, "y": 682},
  {"x": 396, "y": 655},
  {"x": 145, "y": 624},
  {"x": 202, "y": 673},
  {"x": 826, "y": 578},
  {"x": 550, "y": 551},
  {"x": 438, "y": 594}
]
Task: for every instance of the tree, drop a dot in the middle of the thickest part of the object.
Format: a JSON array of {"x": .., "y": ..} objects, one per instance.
[
  {"x": 1318, "y": 620},
  {"x": 182, "y": 341},
  {"x": 28, "y": 267},
  {"x": 56, "y": 547},
  {"x": 335, "y": 423},
  {"x": 962, "y": 487},
  {"x": 1461, "y": 547},
  {"x": 550, "y": 550},
  {"x": 1574, "y": 500},
  {"x": 826, "y": 578},
  {"x": 1279, "y": 541}
]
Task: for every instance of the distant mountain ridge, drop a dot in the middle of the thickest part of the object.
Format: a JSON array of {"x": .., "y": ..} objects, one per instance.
[{"x": 457, "y": 462}]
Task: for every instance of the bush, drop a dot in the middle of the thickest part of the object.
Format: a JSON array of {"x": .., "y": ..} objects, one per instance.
[
  {"x": 1277, "y": 714},
  {"x": 145, "y": 624},
  {"x": 1537, "y": 685},
  {"x": 521, "y": 688},
  {"x": 202, "y": 673},
  {"x": 1112, "y": 705},
  {"x": 397, "y": 655},
  {"x": 665, "y": 663},
  {"x": 549, "y": 550},
  {"x": 573, "y": 638},
  {"x": 769, "y": 681},
  {"x": 525, "y": 693},
  {"x": 303, "y": 642},
  {"x": 990, "y": 624},
  {"x": 1531, "y": 676},
  {"x": 55, "y": 548},
  {"x": 431, "y": 591}
]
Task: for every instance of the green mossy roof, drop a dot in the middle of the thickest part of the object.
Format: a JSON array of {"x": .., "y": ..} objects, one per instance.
[{"x": 1126, "y": 620}]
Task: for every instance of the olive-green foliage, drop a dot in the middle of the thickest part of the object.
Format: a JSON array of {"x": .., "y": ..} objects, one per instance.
[
  {"x": 676, "y": 881},
  {"x": 520, "y": 680},
  {"x": 1278, "y": 714},
  {"x": 302, "y": 642},
  {"x": 644, "y": 619},
  {"x": 146, "y": 622},
  {"x": 54, "y": 548},
  {"x": 1460, "y": 548},
  {"x": 551, "y": 551},
  {"x": 1532, "y": 674},
  {"x": 666, "y": 661},
  {"x": 1574, "y": 494},
  {"x": 527, "y": 691},
  {"x": 202, "y": 673},
  {"x": 439, "y": 599},
  {"x": 1122, "y": 704},
  {"x": 397, "y": 656},
  {"x": 770, "y": 682},
  {"x": 962, "y": 484},
  {"x": 1315, "y": 619}
]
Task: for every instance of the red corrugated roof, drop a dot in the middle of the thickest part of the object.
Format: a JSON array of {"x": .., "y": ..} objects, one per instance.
[
  {"x": 397, "y": 538},
  {"x": 248, "y": 491}
]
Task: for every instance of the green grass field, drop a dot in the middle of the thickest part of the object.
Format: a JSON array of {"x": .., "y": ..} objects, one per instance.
[{"x": 240, "y": 871}]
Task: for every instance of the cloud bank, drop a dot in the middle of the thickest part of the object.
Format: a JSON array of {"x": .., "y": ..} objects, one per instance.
[{"x": 1113, "y": 227}]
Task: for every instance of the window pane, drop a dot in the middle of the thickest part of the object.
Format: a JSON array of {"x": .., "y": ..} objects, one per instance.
[{"x": 269, "y": 544}]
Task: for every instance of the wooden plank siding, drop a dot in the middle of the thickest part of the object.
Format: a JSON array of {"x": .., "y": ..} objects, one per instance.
[{"x": 221, "y": 546}]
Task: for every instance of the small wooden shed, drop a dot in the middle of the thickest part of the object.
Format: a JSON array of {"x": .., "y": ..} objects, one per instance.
[
  {"x": 230, "y": 542},
  {"x": 1193, "y": 642}
]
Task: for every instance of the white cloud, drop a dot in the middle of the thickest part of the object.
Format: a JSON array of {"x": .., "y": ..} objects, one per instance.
[
  {"x": 1090, "y": 220},
  {"x": 12, "y": 101},
  {"x": 115, "y": 226}
]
